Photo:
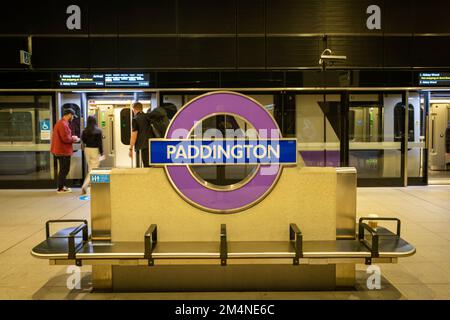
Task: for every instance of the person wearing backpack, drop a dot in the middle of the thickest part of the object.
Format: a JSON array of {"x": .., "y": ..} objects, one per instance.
[
  {"x": 170, "y": 108},
  {"x": 61, "y": 148},
  {"x": 158, "y": 121}
]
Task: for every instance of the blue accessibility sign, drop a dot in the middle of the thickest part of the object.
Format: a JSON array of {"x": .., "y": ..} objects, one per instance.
[
  {"x": 44, "y": 125},
  {"x": 100, "y": 178}
]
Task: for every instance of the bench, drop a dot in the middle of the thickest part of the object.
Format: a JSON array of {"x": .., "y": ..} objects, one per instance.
[{"x": 370, "y": 245}]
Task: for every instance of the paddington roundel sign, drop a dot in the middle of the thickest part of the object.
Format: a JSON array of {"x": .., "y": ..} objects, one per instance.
[{"x": 179, "y": 152}]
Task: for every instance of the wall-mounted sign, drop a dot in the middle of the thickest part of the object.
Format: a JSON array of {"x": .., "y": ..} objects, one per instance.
[
  {"x": 100, "y": 178},
  {"x": 434, "y": 79},
  {"x": 179, "y": 153},
  {"x": 126, "y": 80},
  {"x": 73, "y": 21},
  {"x": 84, "y": 80},
  {"x": 44, "y": 126},
  {"x": 223, "y": 151},
  {"x": 373, "y": 18},
  {"x": 104, "y": 80}
]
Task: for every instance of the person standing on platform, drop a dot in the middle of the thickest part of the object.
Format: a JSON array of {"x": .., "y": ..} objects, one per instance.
[
  {"x": 93, "y": 148},
  {"x": 61, "y": 148},
  {"x": 141, "y": 132}
]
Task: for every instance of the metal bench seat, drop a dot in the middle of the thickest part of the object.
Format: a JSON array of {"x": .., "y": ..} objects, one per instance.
[{"x": 72, "y": 245}]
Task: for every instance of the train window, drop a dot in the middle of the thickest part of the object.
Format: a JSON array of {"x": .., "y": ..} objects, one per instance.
[
  {"x": 318, "y": 129},
  {"x": 351, "y": 126},
  {"x": 16, "y": 126},
  {"x": 399, "y": 122},
  {"x": 125, "y": 126},
  {"x": 22, "y": 126},
  {"x": 223, "y": 176}
]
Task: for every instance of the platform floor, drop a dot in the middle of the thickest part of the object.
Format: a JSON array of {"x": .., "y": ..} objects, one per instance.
[{"x": 424, "y": 211}]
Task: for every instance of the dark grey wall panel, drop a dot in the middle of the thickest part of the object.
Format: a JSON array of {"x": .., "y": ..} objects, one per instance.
[
  {"x": 188, "y": 79},
  {"x": 207, "y": 52},
  {"x": 144, "y": 16},
  {"x": 206, "y": 16},
  {"x": 103, "y": 52},
  {"x": 147, "y": 52},
  {"x": 293, "y": 52},
  {"x": 103, "y": 17},
  {"x": 251, "y": 16},
  {"x": 343, "y": 16},
  {"x": 360, "y": 51},
  {"x": 9, "y": 54},
  {"x": 397, "y": 52},
  {"x": 283, "y": 16},
  {"x": 318, "y": 16},
  {"x": 58, "y": 52},
  {"x": 252, "y": 79},
  {"x": 431, "y": 51},
  {"x": 251, "y": 52},
  {"x": 431, "y": 16},
  {"x": 11, "y": 23},
  {"x": 259, "y": 33}
]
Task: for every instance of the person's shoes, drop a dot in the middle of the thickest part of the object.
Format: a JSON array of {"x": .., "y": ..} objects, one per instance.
[{"x": 64, "y": 190}]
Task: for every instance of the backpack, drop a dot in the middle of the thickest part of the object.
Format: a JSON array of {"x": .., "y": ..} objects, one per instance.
[
  {"x": 158, "y": 122},
  {"x": 170, "y": 108}
]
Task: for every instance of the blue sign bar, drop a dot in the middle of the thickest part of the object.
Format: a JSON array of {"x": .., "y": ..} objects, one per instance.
[
  {"x": 100, "y": 178},
  {"x": 223, "y": 151}
]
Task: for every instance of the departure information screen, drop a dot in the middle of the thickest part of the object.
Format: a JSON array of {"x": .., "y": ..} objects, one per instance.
[
  {"x": 104, "y": 80},
  {"x": 434, "y": 79}
]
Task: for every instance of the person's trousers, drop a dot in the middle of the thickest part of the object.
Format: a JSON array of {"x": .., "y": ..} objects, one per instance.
[
  {"x": 145, "y": 157},
  {"x": 92, "y": 156},
  {"x": 64, "y": 168}
]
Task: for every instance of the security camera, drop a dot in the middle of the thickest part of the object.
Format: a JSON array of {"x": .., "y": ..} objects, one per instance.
[{"x": 327, "y": 58}]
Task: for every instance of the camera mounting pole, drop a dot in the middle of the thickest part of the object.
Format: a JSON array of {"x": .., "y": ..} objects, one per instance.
[{"x": 328, "y": 59}]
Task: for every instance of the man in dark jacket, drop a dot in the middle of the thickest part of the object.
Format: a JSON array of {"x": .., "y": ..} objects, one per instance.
[
  {"x": 141, "y": 132},
  {"x": 61, "y": 148},
  {"x": 170, "y": 108}
]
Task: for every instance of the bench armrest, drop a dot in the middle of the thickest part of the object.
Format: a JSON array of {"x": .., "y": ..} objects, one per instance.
[
  {"x": 296, "y": 238},
  {"x": 150, "y": 240},
  {"x": 223, "y": 245}
]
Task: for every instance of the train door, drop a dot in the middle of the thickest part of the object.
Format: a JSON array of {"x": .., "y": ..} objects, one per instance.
[
  {"x": 115, "y": 122},
  {"x": 114, "y": 118},
  {"x": 122, "y": 134},
  {"x": 439, "y": 141}
]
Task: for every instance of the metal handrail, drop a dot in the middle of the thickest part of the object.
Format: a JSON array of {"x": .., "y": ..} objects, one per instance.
[
  {"x": 374, "y": 246},
  {"x": 223, "y": 245},
  {"x": 383, "y": 219},
  {"x": 47, "y": 225},
  {"x": 72, "y": 248}
]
